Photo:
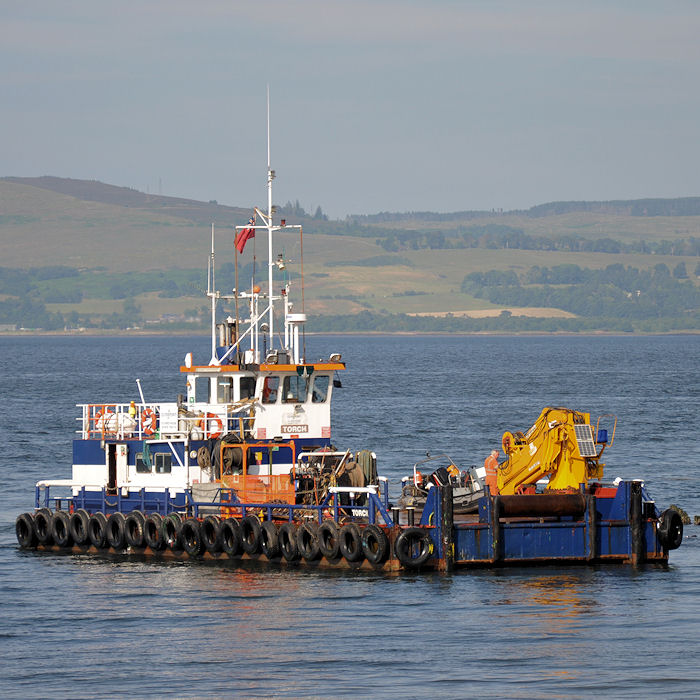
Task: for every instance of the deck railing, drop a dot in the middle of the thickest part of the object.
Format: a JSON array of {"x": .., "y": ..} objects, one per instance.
[
  {"x": 331, "y": 506},
  {"x": 162, "y": 500},
  {"x": 142, "y": 421}
]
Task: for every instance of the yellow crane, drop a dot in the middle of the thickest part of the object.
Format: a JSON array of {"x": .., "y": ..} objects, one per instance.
[{"x": 561, "y": 445}]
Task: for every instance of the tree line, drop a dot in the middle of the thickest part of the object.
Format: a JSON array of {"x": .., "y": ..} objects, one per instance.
[
  {"x": 613, "y": 292},
  {"x": 500, "y": 236}
]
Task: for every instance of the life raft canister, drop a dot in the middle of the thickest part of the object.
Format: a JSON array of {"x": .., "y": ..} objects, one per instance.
[{"x": 105, "y": 421}]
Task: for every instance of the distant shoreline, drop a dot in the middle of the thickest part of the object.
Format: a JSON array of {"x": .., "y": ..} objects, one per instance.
[{"x": 204, "y": 334}]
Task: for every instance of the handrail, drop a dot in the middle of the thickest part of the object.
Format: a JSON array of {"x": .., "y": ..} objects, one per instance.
[
  {"x": 353, "y": 489},
  {"x": 115, "y": 421},
  {"x": 78, "y": 500}
]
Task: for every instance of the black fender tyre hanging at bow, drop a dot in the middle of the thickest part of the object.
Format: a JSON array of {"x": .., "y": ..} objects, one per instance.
[
  {"x": 413, "y": 547},
  {"x": 351, "y": 542},
  {"x": 670, "y": 529},
  {"x": 211, "y": 533},
  {"x": 42, "y": 525},
  {"x": 231, "y": 537},
  {"x": 250, "y": 534},
  {"x": 191, "y": 537},
  {"x": 153, "y": 532},
  {"x": 328, "y": 540},
  {"x": 307, "y": 541},
  {"x": 97, "y": 530},
  {"x": 134, "y": 528},
  {"x": 269, "y": 540},
  {"x": 171, "y": 531},
  {"x": 79, "y": 526},
  {"x": 288, "y": 542},
  {"x": 375, "y": 544},
  {"x": 115, "y": 531},
  {"x": 60, "y": 529},
  {"x": 24, "y": 529}
]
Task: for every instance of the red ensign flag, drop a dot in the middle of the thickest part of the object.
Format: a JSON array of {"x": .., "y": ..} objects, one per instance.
[{"x": 243, "y": 235}]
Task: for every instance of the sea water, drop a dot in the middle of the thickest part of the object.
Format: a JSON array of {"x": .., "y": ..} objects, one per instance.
[{"x": 86, "y": 626}]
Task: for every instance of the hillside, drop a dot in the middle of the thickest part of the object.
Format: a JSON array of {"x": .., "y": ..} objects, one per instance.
[{"x": 84, "y": 249}]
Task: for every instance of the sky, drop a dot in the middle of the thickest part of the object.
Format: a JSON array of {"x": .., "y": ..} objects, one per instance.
[{"x": 376, "y": 105}]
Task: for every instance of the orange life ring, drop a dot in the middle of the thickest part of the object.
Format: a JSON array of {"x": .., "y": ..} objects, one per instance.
[
  {"x": 149, "y": 421},
  {"x": 213, "y": 425}
]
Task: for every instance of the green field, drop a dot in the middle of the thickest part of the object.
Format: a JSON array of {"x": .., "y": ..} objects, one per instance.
[{"x": 122, "y": 243}]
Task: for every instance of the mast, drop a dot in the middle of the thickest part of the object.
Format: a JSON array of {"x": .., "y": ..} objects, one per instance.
[
  {"x": 211, "y": 293},
  {"x": 270, "y": 177},
  {"x": 292, "y": 321}
]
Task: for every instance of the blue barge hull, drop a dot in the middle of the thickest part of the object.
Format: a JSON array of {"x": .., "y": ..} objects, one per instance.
[{"x": 613, "y": 524}]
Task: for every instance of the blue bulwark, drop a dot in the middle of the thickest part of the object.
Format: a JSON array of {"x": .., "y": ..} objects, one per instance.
[
  {"x": 604, "y": 531},
  {"x": 145, "y": 500}
]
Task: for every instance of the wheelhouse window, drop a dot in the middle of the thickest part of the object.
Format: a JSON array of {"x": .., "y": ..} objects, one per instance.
[
  {"x": 141, "y": 466},
  {"x": 163, "y": 462},
  {"x": 201, "y": 390},
  {"x": 224, "y": 389},
  {"x": 320, "y": 390},
  {"x": 271, "y": 387},
  {"x": 247, "y": 387},
  {"x": 294, "y": 389}
]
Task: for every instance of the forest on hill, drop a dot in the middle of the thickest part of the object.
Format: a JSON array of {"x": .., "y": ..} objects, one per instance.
[{"x": 84, "y": 254}]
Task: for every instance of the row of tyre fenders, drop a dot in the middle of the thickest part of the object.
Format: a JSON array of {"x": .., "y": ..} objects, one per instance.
[{"x": 309, "y": 540}]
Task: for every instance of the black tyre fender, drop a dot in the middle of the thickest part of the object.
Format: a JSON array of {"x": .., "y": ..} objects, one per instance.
[
  {"x": 60, "y": 529},
  {"x": 269, "y": 540},
  {"x": 97, "y": 530},
  {"x": 328, "y": 540},
  {"x": 116, "y": 536},
  {"x": 153, "y": 532},
  {"x": 171, "y": 531},
  {"x": 211, "y": 533},
  {"x": 670, "y": 529},
  {"x": 250, "y": 534},
  {"x": 288, "y": 542},
  {"x": 42, "y": 526},
  {"x": 133, "y": 528},
  {"x": 413, "y": 547},
  {"x": 79, "y": 526},
  {"x": 191, "y": 537},
  {"x": 24, "y": 529},
  {"x": 231, "y": 537},
  {"x": 351, "y": 542},
  {"x": 307, "y": 541},
  {"x": 375, "y": 544}
]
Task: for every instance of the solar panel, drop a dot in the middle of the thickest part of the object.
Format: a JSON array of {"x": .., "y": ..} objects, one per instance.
[{"x": 584, "y": 440}]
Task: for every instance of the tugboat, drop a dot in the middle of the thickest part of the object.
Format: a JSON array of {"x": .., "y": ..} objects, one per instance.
[
  {"x": 242, "y": 463},
  {"x": 242, "y": 467}
]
